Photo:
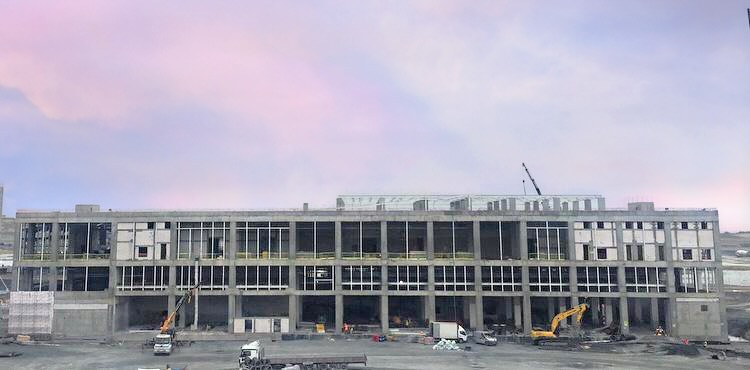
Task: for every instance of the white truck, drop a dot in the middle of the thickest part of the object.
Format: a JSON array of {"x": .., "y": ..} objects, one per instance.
[{"x": 448, "y": 330}]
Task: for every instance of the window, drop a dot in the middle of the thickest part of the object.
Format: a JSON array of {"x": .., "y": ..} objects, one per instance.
[
  {"x": 407, "y": 277},
  {"x": 646, "y": 279},
  {"x": 454, "y": 278},
  {"x": 660, "y": 252},
  {"x": 687, "y": 254},
  {"x": 208, "y": 240},
  {"x": 601, "y": 253},
  {"x": 695, "y": 280},
  {"x": 660, "y": 225},
  {"x": 704, "y": 225},
  {"x": 501, "y": 278},
  {"x": 360, "y": 240},
  {"x": 684, "y": 225},
  {"x": 142, "y": 251},
  {"x": 586, "y": 252},
  {"x": 35, "y": 241},
  {"x": 629, "y": 252},
  {"x": 360, "y": 277},
  {"x": 315, "y": 239},
  {"x": 262, "y": 240},
  {"x": 586, "y": 225},
  {"x": 600, "y": 225},
  {"x": 704, "y": 308},
  {"x": 454, "y": 239},
  {"x": 409, "y": 239},
  {"x": 141, "y": 278},
  {"x": 84, "y": 240},
  {"x": 639, "y": 225},
  {"x": 315, "y": 277},
  {"x": 597, "y": 279},
  {"x": 549, "y": 279},
  {"x": 262, "y": 277},
  {"x": 547, "y": 240},
  {"x": 628, "y": 225},
  {"x": 706, "y": 255}
]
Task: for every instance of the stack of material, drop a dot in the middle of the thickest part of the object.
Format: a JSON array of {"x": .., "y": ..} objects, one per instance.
[
  {"x": 427, "y": 340},
  {"x": 446, "y": 345},
  {"x": 31, "y": 312}
]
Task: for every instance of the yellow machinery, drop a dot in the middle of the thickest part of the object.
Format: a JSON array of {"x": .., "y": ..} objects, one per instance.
[{"x": 537, "y": 334}]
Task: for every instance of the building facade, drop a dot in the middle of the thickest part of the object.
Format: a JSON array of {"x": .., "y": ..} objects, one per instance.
[{"x": 378, "y": 262}]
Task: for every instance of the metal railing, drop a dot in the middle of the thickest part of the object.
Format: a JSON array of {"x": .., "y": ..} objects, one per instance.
[{"x": 457, "y": 255}]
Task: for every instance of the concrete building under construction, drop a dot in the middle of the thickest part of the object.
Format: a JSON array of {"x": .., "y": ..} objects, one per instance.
[{"x": 375, "y": 261}]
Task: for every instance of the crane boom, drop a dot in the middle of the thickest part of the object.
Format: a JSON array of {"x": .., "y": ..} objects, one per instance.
[
  {"x": 538, "y": 192},
  {"x": 164, "y": 328},
  {"x": 541, "y": 334}
]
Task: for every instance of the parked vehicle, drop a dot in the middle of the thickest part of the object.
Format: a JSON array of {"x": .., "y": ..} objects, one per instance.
[
  {"x": 448, "y": 330},
  {"x": 164, "y": 342},
  {"x": 253, "y": 357},
  {"x": 485, "y": 338}
]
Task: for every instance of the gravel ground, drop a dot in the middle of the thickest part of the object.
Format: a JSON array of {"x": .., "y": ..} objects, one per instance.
[{"x": 381, "y": 356}]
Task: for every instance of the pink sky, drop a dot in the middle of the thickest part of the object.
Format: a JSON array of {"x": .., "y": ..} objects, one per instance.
[{"x": 239, "y": 105}]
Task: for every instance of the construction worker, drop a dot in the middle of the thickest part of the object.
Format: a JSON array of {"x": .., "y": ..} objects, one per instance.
[
  {"x": 346, "y": 328},
  {"x": 659, "y": 331}
]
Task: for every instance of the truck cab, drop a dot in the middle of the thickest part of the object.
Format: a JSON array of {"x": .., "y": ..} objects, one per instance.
[
  {"x": 250, "y": 352},
  {"x": 162, "y": 344}
]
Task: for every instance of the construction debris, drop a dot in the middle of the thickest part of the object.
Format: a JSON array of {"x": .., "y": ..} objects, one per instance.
[{"x": 446, "y": 345}]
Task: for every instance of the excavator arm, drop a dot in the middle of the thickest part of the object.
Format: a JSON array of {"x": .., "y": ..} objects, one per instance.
[
  {"x": 577, "y": 310},
  {"x": 164, "y": 328}
]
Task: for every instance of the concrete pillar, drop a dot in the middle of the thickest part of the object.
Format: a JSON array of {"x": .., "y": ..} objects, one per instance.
[
  {"x": 339, "y": 313},
  {"x": 383, "y": 240},
  {"x": 671, "y": 326},
  {"x": 608, "y": 310},
  {"x": 429, "y": 308},
  {"x": 231, "y": 311},
  {"x": 469, "y": 311},
  {"x": 654, "y": 312},
  {"x": 624, "y": 319},
  {"x": 620, "y": 245},
  {"x": 293, "y": 312},
  {"x": 430, "y": 241},
  {"x": 292, "y": 241},
  {"x": 638, "y": 310},
  {"x": 479, "y": 312},
  {"x": 476, "y": 241},
  {"x": 182, "y": 317},
  {"x": 523, "y": 243},
  {"x": 337, "y": 239},
  {"x": 671, "y": 309},
  {"x": 517, "y": 312},
  {"x": 720, "y": 282},
  {"x": 526, "y": 314},
  {"x": 384, "y": 313}
]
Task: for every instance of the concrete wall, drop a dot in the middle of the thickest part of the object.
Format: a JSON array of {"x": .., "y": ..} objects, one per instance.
[
  {"x": 82, "y": 315},
  {"x": 695, "y": 323}
]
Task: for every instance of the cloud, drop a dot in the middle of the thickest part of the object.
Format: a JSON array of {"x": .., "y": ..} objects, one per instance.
[{"x": 245, "y": 105}]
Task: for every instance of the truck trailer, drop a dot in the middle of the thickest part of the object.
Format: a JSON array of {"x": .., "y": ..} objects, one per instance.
[
  {"x": 253, "y": 357},
  {"x": 448, "y": 330}
]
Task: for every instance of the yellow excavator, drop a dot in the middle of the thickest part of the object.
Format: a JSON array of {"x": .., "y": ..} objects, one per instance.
[
  {"x": 538, "y": 334},
  {"x": 164, "y": 341}
]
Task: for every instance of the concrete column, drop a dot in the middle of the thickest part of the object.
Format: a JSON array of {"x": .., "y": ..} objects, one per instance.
[
  {"x": 173, "y": 241},
  {"x": 624, "y": 317},
  {"x": 618, "y": 240},
  {"x": 384, "y": 313},
  {"x": 55, "y": 241},
  {"x": 654, "y": 312},
  {"x": 478, "y": 290},
  {"x": 383, "y": 240},
  {"x": 292, "y": 240},
  {"x": 171, "y": 307},
  {"x": 720, "y": 281},
  {"x": 231, "y": 311},
  {"x": 112, "y": 259},
  {"x": 232, "y": 247},
  {"x": 517, "y": 312},
  {"x": 672, "y": 325},
  {"x": 571, "y": 241},
  {"x": 429, "y": 303},
  {"x": 337, "y": 284},
  {"x": 608, "y": 313},
  {"x": 430, "y": 241},
  {"x": 526, "y": 314},
  {"x": 479, "y": 314},
  {"x": 508, "y": 307},
  {"x": 293, "y": 313},
  {"x": 182, "y": 318},
  {"x": 337, "y": 239},
  {"x": 339, "y": 313}
]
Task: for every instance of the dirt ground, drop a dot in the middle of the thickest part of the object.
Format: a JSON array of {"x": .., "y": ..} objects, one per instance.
[{"x": 381, "y": 356}]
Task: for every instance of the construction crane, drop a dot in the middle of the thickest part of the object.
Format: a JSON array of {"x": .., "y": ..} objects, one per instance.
[
  {"x": 538, "y": 192},
  {"x": 538, "y": 334},
  {"x": 164, "y": 341}
]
